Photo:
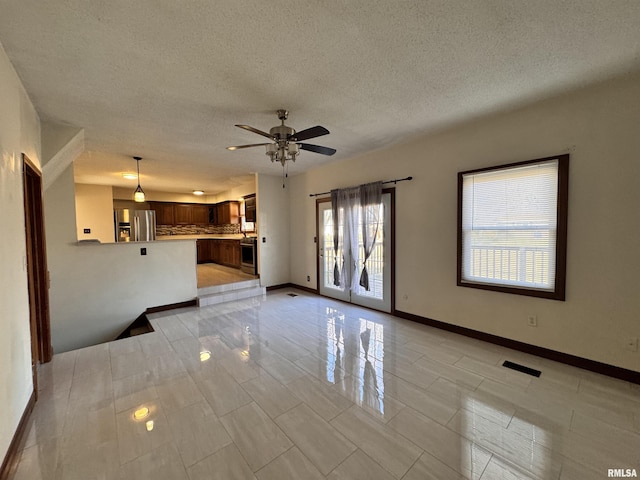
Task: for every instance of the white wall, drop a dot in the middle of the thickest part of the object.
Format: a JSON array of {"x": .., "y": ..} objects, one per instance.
[
  {"x": 272, "y": 204},
  {"x": 19, "y": 132},
  {"x": 98, "y": 290},
  {"x": 94, "y": 210},
  {"x": 599, "y": 126}
]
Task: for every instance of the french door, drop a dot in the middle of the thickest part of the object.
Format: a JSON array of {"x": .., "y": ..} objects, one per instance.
[{"x": 378, "y": 264}]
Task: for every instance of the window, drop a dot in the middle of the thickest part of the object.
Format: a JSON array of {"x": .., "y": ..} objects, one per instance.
[{"x": 512, "y": 227}]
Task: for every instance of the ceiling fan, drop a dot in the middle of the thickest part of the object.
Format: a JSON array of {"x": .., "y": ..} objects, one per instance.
[{"x": 286, "y": 142}]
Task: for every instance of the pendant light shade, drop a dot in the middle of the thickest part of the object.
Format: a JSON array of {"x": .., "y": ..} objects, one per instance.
[{"x": 138, "y": 195}]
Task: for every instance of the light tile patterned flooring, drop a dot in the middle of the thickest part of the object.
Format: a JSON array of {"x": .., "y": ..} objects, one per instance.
[{"x": 308, "y": 388}]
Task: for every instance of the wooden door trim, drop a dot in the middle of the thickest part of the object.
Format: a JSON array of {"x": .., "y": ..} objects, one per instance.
[{"x": 36, "y": 242}]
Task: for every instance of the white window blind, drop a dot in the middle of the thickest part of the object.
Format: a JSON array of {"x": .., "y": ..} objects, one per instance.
[{"x": 509, "y": 226}]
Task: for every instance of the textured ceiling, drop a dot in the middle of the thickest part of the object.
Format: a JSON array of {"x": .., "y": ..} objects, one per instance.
[{"x": 167, "y": 80}]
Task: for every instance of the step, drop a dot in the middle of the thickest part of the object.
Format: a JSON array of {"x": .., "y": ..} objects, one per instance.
[
  {"x": 231, "y": 295},
  {"x": 228, "y": 287}
]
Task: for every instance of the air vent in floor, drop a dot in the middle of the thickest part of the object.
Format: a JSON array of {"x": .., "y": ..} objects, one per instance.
[{"x": 521, "y": 368}]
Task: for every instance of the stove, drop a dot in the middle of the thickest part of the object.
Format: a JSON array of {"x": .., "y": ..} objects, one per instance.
[{"x": 249, "y": 255}]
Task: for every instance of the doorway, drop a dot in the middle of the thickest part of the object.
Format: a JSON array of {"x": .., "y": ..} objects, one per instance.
[
  {"x": 380, "y": 264},
  {"x": 37, "y": 273}
]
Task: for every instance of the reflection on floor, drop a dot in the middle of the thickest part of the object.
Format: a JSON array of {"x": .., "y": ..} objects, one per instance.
[
  {"x": 211, "y": 274},
  {"x": 303, "y": 387}
]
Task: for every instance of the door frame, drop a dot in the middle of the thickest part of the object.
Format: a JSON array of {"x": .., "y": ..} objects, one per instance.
[
  {"x": 392, "y": 193},
  {"x": 37, "y": 272}
]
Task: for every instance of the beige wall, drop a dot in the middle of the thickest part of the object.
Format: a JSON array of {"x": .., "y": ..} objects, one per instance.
[
  {"x": 19, "y": 133},
  {"x": 94, "y": 210},
  {"x": 234, "y": 193},
  {"x": 273, "y": 225},
  {"x": 121, "y": 193},
  {"x": 599, "y": 127},
  {"x": 98, "y": 290}
]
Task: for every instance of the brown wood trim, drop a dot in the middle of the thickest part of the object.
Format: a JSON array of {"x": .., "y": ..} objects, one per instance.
[
  {"x": 38, "y": 274},
  {"x": 584, "y": 363},
  {"x": 172, "y": 306},
  {"x": 561, "y": 239},
  {"x": 12, "y": 457},
  {"x": 292, "y": 285},
  {"x": 392, "y": 192}
]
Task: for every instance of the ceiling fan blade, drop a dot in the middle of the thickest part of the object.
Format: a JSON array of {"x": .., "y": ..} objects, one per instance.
[
  {"x": 237, "y": 147},
  {"x": 312, "y": 132},
  {"x": 317, "y": 149},
  {"x": 255, "y": 130}
]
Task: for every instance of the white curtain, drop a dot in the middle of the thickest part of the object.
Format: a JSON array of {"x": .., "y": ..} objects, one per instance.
[
  {"x": 355, "y": 208},
  {"x": 370, "y": 199},
  {"x": 344, "y": 206}
]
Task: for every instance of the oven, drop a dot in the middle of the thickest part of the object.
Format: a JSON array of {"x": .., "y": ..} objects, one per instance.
[{"x": 249, "y": 255}]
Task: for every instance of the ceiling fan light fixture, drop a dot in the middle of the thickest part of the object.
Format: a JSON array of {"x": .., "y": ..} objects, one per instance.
[
  {"x": 138, "y": 194},
  {"x": 285, "y": 138}
]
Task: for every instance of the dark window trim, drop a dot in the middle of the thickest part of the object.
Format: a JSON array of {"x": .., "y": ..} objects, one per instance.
[{"x": 561, "y": 240}]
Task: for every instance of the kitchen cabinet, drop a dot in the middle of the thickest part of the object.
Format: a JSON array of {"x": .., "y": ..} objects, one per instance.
[
  {"x": 200, "y": 214},
  {"x": 223, "y": 252},
  {"x": 230, "y": 253},
  {"x": 250, "y": 209},
  {"x": 183, "y": 214},
  {"x": 203, "y": 250},
  {"x": 227, "y": 212},
  {"x": 164, "y": 213}
]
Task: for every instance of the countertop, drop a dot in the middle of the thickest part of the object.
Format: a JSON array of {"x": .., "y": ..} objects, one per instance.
[{"x": 203, "y": 236}]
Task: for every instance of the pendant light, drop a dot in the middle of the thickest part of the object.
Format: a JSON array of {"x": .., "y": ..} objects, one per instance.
[{"x": 138, "y": 195}]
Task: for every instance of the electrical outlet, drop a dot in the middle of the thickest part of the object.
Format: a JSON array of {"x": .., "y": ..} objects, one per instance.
[
  {"x": 143, "y": 251},
  {"x": 532, "y": 320},
  {"x": 308, "y": 278},
  {"x": 87, "y": 230},
  {"x": 632, "y": 344}
]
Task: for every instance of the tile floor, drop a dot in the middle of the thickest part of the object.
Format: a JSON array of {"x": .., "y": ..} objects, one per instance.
[{"x": 308, "y": 388}]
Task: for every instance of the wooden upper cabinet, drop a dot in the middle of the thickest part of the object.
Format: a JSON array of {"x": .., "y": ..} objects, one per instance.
[
  {"x": 170, "y": 213},
  {"x": 164, "y": 213},
  {"x": 183, "y": 213},
  {"x": 228, "y": 212},
  {"x": 200, "y": 214},
  {"x": 250, "y": 209}
]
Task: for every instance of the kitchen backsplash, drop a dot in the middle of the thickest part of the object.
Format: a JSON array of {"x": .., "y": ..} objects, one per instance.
[{"x": 232, "y": 228}]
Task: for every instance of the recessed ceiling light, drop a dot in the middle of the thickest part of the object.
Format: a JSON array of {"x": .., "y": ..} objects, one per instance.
[
  {"x": 129, "y": 176},
  {"x": 205, "y": 355},
  {"x": 198, "y": 192}
]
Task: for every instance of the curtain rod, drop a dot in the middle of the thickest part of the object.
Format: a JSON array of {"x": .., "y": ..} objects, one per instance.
[{"x": 388, "y": 181}]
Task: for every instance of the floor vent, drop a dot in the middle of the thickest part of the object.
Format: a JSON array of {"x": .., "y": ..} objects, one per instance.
[
  {"x": 292, "y": 294},
  {"x": 521, "y": 368}
]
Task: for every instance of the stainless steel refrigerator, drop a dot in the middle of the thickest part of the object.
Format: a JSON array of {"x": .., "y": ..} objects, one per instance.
[{"x": 135, "y": 225}]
